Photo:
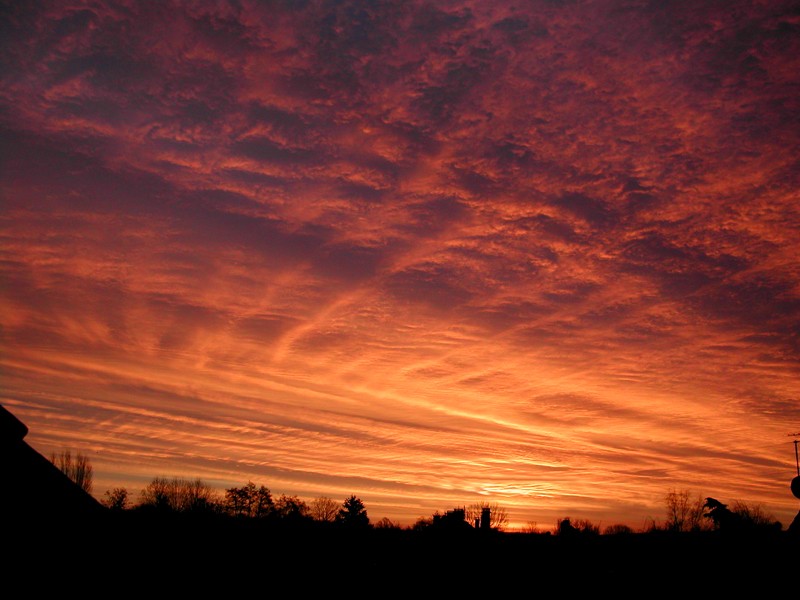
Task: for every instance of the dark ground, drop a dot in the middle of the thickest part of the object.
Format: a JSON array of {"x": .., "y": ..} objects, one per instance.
[{"x": 149, "y": 557}]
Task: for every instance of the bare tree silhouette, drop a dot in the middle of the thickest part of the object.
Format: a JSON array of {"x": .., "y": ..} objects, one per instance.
[
  {"x": 78, "y": 468},
  {"x": 324, "y": 509},
  {"x": 116, "y": 499},
  {"x": 179, "y": 495},
  {"x": 498, "y": 516},
  {"x": 683, "y": 512}
]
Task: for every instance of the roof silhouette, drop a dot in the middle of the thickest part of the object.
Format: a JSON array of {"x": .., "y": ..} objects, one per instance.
[{"x": 36, "y": 490}]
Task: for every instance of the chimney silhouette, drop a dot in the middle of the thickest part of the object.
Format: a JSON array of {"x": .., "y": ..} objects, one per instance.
[{"x": 486, "y": 518}]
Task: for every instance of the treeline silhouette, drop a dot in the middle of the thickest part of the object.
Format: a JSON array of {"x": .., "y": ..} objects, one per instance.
[
  {"x": 177, "y": 495},
  {"x": 162, "y": 496},
  {"x": 184, "y": 525}
]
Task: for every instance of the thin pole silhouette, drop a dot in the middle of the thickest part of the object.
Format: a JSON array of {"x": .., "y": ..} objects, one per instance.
[
  {"x": 796, "y": 459},
  {"x": 796, "y": 456}
]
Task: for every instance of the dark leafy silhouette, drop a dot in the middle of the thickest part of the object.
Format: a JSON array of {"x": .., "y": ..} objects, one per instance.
[
  {"x": 353, "y": 514},
  {"x": 743, "y": 519},
  {"x": 291, "y": 508},
  {"x": 387, "y": 523},
  {"x": 249, "y": 501}
]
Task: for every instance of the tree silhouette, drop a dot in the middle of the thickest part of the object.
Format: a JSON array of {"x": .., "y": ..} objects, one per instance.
[
  {"x": 531, "y": 527},
  {"x": 353, "y": 514},
  {"x": 291, "y": 508},
  {"x": 324, "y": 509},
  {"x": 618, "y": 529},
  {"x": 422, "y": 523},
  {"x": 498, "y": 517},
  {"x": 742, "y": 518},
  {"x": 179, "y": 495},
  {"x": 77, "y": 468},
  {"x": 683, "y": 512},
  {"x": 387, "y": 523},
  {"x": 249, "y": 501},
  {"x": 755, "y": 514},
  {"x": 565, "y": 528},
  {"x": 116, "y": 499},
  {"x": 721, "y": 515},
  {"x": 585, "y": 526},
  {"x": 569, "y": 527}
]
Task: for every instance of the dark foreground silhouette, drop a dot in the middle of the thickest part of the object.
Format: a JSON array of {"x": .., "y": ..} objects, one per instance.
[
  {"x": 57, "y": 541},
  {"x": 187, "y": 554}
]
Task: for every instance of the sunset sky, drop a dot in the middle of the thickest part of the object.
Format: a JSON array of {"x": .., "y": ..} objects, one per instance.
[{"x": 541, "y": 253}]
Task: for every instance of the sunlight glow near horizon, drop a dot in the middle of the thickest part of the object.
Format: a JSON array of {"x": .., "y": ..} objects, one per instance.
[{"x": 431, "y": 254}]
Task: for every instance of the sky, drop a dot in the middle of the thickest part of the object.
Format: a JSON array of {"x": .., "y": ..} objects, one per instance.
[{"x": 543, "y": 254}]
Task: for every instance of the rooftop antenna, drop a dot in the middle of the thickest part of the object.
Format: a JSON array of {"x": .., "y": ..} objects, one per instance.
[
  {"x": 796, "y": 458},
  {"x": 796, "y": 480}
]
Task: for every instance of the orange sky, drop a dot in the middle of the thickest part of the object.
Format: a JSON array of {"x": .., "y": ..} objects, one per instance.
[{"x": 541, "y": 254}]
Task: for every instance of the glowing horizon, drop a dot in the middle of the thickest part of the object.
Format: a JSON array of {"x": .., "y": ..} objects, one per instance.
[{"x": 539, "y": 254}]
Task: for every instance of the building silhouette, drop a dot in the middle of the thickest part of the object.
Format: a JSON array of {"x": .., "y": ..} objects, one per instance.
[{"x": 36, "y": 491}]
